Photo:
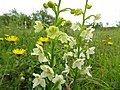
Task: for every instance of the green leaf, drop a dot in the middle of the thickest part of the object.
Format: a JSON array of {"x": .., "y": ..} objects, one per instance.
[
  {"x": 63, "y": 10},
  {"x": 56, "y": 85}
]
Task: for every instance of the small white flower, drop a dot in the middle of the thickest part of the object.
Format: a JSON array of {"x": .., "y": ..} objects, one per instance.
[
  {"x": 38, "y": 27},
  {"x": 82, "y": 55},
  {"x": 75, "y": 26},
  {"x": 72, "y": 41},
  {"x": 38, "y": 80},
  {"x": 90, "y": 51},
  {"x": 78, "y": 63},
  {"x": 42, "y": 58},
  {"x": 61, "y": 79},
  {"x": 86, "y": 71},
  {"x": 67, "y": 54},
  {"x": 62, "y": 37},
  {"x": 87, "y": 34},
  {"x": 38, "y": 50},
  {"x": 47, "y": 72},
  {"x": 67, "y": 70}
]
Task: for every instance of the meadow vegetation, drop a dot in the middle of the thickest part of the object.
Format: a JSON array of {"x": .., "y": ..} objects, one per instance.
[{"x": 17, "y": 67}]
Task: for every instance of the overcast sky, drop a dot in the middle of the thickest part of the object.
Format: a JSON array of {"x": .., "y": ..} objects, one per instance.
[{"x": 109, "y": 9}]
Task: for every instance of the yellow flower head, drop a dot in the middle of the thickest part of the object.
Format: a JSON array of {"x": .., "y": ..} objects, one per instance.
[
  {"x": 19, "y": 51},
  {"x": 43, "y": 39},
  {"x": 1, "y": 39},
  {"x": 39, "y": 42},
  {"x": 110, "y": 43},
  {"x": 12, "y": 38}
]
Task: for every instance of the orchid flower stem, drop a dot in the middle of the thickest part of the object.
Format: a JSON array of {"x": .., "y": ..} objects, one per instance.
[
  {"x": 58, "y": 12},
  {"x": 52, "y": 54},
  {"x": 79, "y": 44},
  {"x": 75, "y": 79}
]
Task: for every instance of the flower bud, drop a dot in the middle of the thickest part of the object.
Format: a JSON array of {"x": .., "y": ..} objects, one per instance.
[
  {"x": 97, "y": 17},
  {"x": 51, "y": 4},
  {"x": 68, "y": 22},
  {"x": 89, "y": 6},
  {"x": 78, "y": 12},
  {"x": 22, "y": 78},
  {"x": 72, "y": 11},
  {"x": 45, "y": 5}
]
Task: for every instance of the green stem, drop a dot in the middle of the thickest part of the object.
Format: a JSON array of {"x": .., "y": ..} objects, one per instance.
[
  {"x": 75, "y": 79},
  {"x": 84, "y": 13},
  {"x": 58, "y": 12},
  {"x": 82, "y": 28},
  {"x": 52, "y": 54}
]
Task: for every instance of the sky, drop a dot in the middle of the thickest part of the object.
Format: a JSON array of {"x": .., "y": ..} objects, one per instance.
[{"x": 109, "y": 9}]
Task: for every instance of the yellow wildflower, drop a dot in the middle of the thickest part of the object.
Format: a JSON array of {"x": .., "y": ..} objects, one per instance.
[
  {"x": 19, "y": 51},
  {"x": 110, "y": 43},
  {"x": 12, "y": 38},
  {"x": 1, "y": 39},
  {"x": 39, "y": 42},
  {"x": 43, "y": 39}
]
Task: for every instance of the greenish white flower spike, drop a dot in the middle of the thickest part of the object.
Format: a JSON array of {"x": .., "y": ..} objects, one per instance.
[
  {"x": 47, "y": 72},
  {"x": 38, "y": 80},
  {"x": 60, "y": 79},
  {"x": 90, "y": 51},
  {"x": 38, "y": 27},
  {"x": 78, "y": 63},
  {"x": 86, "y": 71}
]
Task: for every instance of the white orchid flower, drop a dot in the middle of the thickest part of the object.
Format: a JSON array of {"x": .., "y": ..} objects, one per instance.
[
  {"x": 75, "y": 26},
  {"x": 59, "y": 78},
  {"x": 78, "y": 63},
  {"x": 38, "y": 27},
  {"x": 86, "y": 71},
  {"x": 90, "y": 51},
  {"x": 38, "y": 80},
  {"x": 39, "y": 52},
  {"x": 47, "y": 72},
  {"x": 87, "y": 34},
  {"x": 67, "y": 70}
]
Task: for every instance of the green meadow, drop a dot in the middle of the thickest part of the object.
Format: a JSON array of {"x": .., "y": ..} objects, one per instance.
[{"x": 16, "y": 70}]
